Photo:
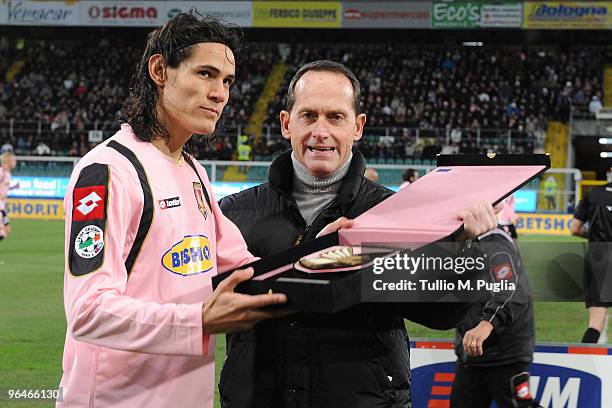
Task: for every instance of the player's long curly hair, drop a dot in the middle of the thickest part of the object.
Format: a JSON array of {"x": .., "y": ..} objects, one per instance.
[{"x": 173, "y": 41}]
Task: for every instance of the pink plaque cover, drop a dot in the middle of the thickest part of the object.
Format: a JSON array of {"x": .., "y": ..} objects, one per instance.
[{"x": 427, "y": 210}]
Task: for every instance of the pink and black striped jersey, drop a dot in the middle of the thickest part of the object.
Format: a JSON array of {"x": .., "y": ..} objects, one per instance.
[
  {"x": 142, "y": 243},
  {"x": 5, "y": 186}
]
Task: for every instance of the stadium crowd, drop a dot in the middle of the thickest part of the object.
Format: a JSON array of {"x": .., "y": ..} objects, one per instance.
[
  {"x": 455, "y": 96},
  {"x": 420, "y": 100},
  {"x": 80, "y": 90}
]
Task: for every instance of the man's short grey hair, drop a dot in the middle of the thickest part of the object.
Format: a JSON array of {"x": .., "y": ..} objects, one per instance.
[{"x": 325, "y": 66}]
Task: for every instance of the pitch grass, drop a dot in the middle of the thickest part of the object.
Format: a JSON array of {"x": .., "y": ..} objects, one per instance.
[{"x": 33, "y": 327}]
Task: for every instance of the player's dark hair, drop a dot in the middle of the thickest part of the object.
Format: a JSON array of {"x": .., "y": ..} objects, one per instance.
[
  {"x": 408, "y": 174},
  {"x": 326, "y": 66},
  {"x": 174, "y": 41}
]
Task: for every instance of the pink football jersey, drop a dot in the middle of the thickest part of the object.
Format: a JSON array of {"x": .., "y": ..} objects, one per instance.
[
  {"x": 142, "y": 243},
  {"x": 5, "y": 185}
]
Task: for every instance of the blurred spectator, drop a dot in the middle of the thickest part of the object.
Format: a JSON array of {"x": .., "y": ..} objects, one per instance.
[
  {"x": 42, "y": 149},
  {"x": 409, "y": 177},
  {"x": 371, "y": 174},
  {"x": 550, "y": 192},
  {"x": 595, "y": 104},
  {"x": 6, "y": 147}
]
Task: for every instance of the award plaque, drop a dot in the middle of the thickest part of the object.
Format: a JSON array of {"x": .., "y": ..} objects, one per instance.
[{"x": 323, "y": 275}]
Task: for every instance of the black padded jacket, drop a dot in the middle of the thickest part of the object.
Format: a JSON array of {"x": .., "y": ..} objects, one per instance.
[{"x": 356, "y": 358}]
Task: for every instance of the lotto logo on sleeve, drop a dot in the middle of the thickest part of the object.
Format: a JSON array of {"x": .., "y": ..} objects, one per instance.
[
  {"x": 522, "y": 391},
  {"x": 503, "y": 271},
  {"x": 88, "y": 203}
]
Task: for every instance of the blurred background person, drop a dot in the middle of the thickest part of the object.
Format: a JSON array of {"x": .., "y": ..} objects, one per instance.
[
  {"x": 596, "y": 210},
  {"x": 496, "y": 340},
  {"x": 8, "y": 161},
  {"x": 371, "y": 174},
  {"x": 409, "y": 177}
]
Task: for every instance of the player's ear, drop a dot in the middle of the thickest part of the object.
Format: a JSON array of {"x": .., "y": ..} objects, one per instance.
[{"x": 157, "y": 69}]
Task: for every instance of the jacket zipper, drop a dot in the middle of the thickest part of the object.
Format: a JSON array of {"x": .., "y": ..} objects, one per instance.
[{"x": 301, "y": 236}]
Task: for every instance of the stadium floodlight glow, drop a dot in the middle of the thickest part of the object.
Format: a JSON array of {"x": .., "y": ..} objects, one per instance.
[
  {"x": 605, "y": 155},
  {"x": 605, "y": 140},
  {"x": 473, "y": 43}
]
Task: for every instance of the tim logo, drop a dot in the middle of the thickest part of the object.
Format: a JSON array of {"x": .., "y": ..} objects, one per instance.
[
  {"x": 169, "y": 203},
  {"x": 553, "y": 386}
]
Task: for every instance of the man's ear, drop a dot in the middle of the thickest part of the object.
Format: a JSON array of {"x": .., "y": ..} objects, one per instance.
[
  {"x": 284, "y": 120},
  {"x": 157, "y": 69},
  {"x": 359, "y": 124}
]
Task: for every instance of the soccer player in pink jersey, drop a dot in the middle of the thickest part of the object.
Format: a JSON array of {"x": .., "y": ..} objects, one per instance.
[
  {"x": 144, "y": 236},
  {"x": 7, "y": 164}
]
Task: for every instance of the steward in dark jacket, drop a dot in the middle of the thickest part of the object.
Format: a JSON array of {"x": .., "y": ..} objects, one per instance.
[
  {"x": 355, "y": 358},
  {"x": 499, "y": 333},
  {"x": 509, "y": 311}
]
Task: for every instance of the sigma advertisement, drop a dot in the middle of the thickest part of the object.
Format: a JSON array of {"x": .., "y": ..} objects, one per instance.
[
  {"x": 561, "y": 376},
  {"x": 133, "y": 13}
]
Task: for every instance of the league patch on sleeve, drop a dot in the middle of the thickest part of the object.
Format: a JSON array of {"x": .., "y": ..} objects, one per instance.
[
  {"x": 89, "y": 242},
  {"x": 89, "y": 206}
]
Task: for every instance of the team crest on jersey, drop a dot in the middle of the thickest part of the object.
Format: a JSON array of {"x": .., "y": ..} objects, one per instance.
[
  {"x": 189, "y": 256},
  {"x": 199, "y": 195},
  {"x": 89, "y": 242}
]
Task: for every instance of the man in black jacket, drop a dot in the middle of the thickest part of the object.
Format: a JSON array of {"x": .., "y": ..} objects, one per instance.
[
  {"x": 355, "y": 358},
  {"x": 496, "y": 340}
]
